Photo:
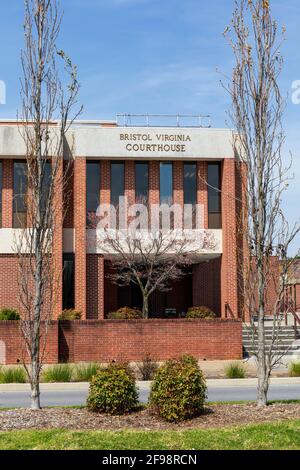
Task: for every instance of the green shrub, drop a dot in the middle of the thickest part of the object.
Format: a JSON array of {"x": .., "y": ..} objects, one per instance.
[
  {"x": 70, "y": 315},
  {"x": 58, "y": 373},
  {"x": 9, "y": 314},
  {"x": 12, "y": 375},
  {"x": 85, "y": 372},
  {"x": 200, "y": 312},
  {"x": 113, "y": 390},
  {"x": 179, "y": 390},
  {"x": 235, "y": 370},
  {"x": 147, "y": 368},
  {"x": 125, "y": 313},
  {"x": 294, "y": 369}
]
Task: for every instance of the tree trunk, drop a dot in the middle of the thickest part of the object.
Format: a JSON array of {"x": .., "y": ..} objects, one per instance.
[
  {"x": 145, "y": 306},
  {"x": 35, "y": 386}
]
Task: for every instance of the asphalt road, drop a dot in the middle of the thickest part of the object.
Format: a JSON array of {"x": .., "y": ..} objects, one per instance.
[{"x": 218, "y": 390}]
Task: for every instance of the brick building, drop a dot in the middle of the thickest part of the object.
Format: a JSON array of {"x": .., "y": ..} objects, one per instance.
[
  {"x": 104, "y": 161},
  {"x": 108, "y": 161}
]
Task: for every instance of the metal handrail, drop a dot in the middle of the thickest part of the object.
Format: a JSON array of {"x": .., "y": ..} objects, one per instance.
[{"x": 127, "y": 119}]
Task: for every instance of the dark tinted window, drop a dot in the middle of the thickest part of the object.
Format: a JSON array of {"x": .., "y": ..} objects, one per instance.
[
  {"x": 69, "y": 281},
  {"x": 166, "y": 183},
  {"x": 117, "y": 182},
  {"x": 20, "y": 189},
  {"x": 214, "y": 195},
  {"x": 46, "y": 188},
  {"x": 92, "y": 191},
  {"x": 190, "y": 183},
  {"x": 141, "y": 181}
]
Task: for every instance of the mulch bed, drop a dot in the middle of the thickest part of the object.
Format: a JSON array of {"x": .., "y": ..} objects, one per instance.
[{"x": 215, "y": 416}]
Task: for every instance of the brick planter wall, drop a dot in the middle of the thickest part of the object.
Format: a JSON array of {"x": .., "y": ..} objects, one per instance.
[
  {"x": 12, "y": 348},
  {"x": 107, "y": 340}
]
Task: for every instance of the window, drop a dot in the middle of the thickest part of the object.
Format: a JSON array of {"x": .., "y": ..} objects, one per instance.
[
  {"x": 20, "y": 189},
  {"x": 92, "y": 192},
  {"x": 214, "y": 196},
  {"x": 166, "y": 183},
  {"x": 190, "y": 183},
  {"x": 141, "y": 182},
  {"x": 117, "y": 182},
  {"x": 68, "y": 281},
  {"x": 1, "y": 194},
  {"x": 46, "y": 184}
]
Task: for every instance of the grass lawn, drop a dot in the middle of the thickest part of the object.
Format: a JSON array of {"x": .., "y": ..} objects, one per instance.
[{"x": 282, "y": 435}]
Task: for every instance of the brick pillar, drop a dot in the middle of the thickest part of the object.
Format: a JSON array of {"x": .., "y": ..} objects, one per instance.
[
  {"x": 7, "y": 193},
  {"x": 104, "y": 199},
  {"x": 130, "y": 181},
  {"x": 154, "y": 182},
  {"x": 229, "y": 268},
  {"x": 202, "y": 194},
  {"x": 80, "y": 234},
  {"x": 105, "y": 182},
  {"x": 58, "y": 240},
  {"x": 178, "y": 194}
]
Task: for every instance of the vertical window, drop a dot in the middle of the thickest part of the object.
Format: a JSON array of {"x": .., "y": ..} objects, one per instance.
[
  {"x": 46, "y": 185},
  {"x": 190, "y": 183},
  {"x": 20, "y": 190},
  {"x": 68, "y": 281},
  {"x": 92, "y": 192},
  {"x": 117, "y": 182},
  {"x": 141, "y": 182},
  {"x": 166, "y": 183},
  {"x": 1, "y": 185},
  {"x": 214, "y": 195}
]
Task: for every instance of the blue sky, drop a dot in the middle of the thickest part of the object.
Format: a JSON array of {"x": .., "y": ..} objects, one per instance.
[{"x": 153, "y": 56}]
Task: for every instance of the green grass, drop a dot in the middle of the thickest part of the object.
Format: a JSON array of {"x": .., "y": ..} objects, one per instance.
[
  {"x": 294, "y": 369},
  {"x": 235, "y": 371},
  {"x": 279, "y": 436},
  {"x": 57, "y": 373},
  {"x": 84, "y": 372},
  {"x": 12, "y": 375}
]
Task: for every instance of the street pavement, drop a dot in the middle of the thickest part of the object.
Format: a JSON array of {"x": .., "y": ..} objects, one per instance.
[{"x": 74, "y": 394}]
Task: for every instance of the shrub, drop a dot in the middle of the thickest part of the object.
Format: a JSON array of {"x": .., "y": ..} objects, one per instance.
[
  {"x": 70, "y": 315},
  {"x": 147, "y": 368},
  {"x": 57, "y": 373},
  {"x": 125, "y": 313},
  {"x": 12, "y": 375},
  {"x": 235, "y": 371},
  {"x": 294, "y": 369},
  {"x": 179, "y": 390},
  {"x": 8, "y": 314},
  {"x": 200, "y": 312},
  {"x": 113, "y": 390},
  {"x": 85, "y": 372}
]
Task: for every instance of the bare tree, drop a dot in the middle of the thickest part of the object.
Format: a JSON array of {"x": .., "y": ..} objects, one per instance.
[
  {"x": 151, "y": 260},
  {"x": 43, "y": 123},
  {"x": 257, "y": 115}
]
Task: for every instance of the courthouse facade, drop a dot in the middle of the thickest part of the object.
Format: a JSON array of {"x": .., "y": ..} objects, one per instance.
[{"x": 181, "y": 165}]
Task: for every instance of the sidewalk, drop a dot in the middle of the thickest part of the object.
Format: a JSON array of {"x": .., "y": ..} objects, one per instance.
[{"x": 215, "y": 383}]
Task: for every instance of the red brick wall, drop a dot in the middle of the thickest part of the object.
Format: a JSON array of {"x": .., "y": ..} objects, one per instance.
[
  {"x": 108, "y": 340},
  {"x": 202, "y": 194},
  {"x": 15, "y": 350},
  {"x": 95, "y": 286},
  {"x": 80, "y": 234},
  {"x": 7, "y": 193},
  {"x": 229, "y": 267},
  {"x": 207, "y": 285},
  {"x": 9, "y": 289}
]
